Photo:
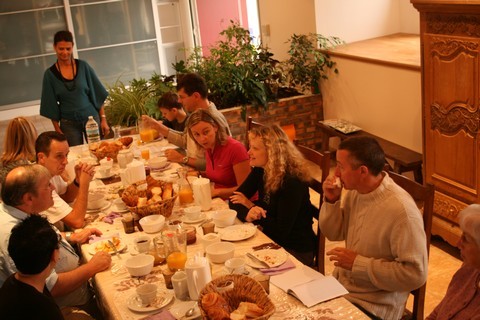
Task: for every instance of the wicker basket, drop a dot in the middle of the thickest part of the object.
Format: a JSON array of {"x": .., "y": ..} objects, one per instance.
[
  {"x": 163, "y": 207},
  {"x": 244, "y": 289}
]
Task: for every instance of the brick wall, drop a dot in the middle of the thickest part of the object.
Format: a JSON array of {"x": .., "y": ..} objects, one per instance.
[{"x": 303, "y": 111}]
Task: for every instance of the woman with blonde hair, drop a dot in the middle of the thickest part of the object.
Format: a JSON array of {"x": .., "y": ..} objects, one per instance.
[
  {"x": 283, "y": 208},
  {"x": 19, "y": 145},
  {"x": 226, "y": 158}
]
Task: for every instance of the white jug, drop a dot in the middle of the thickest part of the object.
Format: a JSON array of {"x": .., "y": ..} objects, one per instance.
[
  {"x": 202, "y": 193},
  {"x": 198, "y": 275},
  {"x": 134, "y": 172}
]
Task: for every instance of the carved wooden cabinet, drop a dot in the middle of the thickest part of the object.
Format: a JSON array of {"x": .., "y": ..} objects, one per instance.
[{"x": 450, "y": 44}]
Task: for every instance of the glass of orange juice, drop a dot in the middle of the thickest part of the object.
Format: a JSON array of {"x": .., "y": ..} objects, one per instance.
[
  {"x": 175, "y": 245},
  {"x": 145, "y": 154}
]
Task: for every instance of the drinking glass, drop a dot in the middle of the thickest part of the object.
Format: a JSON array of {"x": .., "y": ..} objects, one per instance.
[{"x": 175, "y": 245}]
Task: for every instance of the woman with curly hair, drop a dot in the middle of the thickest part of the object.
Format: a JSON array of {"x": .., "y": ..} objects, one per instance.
[
  {"x": 19, "y": 145},
  {"x": 283, "y": 208}
]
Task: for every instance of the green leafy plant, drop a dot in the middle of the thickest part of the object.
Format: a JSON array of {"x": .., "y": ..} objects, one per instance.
[
  {"x": 238, "y": 72},
  {"x": 126, "y": 103},
  {"x": 308, "y": 62}
]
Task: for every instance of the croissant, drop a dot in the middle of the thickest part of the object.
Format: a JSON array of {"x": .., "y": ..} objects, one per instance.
[{"x": 215, "y": 306}]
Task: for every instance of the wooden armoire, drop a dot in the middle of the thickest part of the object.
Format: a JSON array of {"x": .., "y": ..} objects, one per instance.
[{"x": 450, "y": 48}]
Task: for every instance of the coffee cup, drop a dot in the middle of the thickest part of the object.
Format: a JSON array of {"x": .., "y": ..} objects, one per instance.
[
  {"x": 209, "y": 238},
  {"x": 142, "y": 244},
  {"x": 104, "y": 171},
  {"x": 147, "y": 293},
  {"x": 193, "y": 212},
  {"x": 235, "y": 266}
]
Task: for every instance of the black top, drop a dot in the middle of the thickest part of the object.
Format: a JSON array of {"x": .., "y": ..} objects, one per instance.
[
  {"x": 289, "y": 211},
  {"x": 175, "y": 125},
  {"x": 20, "y": 301}
]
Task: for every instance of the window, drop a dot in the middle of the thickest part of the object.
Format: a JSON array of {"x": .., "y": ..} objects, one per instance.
[{"x": 120, "y": 39}]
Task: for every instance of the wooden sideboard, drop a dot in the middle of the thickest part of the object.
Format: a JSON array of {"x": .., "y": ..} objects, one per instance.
[{"x": 450, "y": 47}]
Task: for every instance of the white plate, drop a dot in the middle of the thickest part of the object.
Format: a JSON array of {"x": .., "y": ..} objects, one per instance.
[
  {"x": 119, "y": 210},
  {"x": 163, "y": 298},
  {"x": 238, "y": 232},
  {"x": 179, "y": 309},
  {"x": 199, "y": 219},
  {"x": 272, "y": 257},
  {"x": 105, "y": 205},
  {"x": 98, "y": 176},
  {"x": 94, "y": 247},
  {"x": 342, "y": 125},
  {"x": 164, "y": 168}
]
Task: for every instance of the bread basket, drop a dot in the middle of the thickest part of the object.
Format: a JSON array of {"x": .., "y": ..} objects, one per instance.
[
  {"x": 163, "y": 207},
  {"x": 244, "y": 289}
]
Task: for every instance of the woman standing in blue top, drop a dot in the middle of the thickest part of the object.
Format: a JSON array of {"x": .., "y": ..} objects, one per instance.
[{"x": 71, "y": 91}]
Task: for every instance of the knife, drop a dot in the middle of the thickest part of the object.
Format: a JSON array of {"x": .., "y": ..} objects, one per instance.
[
  {"x": 114, "y": 249},
  {"x": 263, "y": 263}
]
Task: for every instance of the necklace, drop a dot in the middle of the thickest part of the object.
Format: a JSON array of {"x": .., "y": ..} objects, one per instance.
[{"x": 70, "y": 85}]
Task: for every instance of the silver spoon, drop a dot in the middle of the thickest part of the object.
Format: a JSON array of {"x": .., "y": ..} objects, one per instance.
[{"x": 190, "y": 311}]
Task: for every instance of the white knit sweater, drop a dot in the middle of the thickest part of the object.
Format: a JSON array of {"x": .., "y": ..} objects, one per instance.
[{"x": 385, "y": 229}]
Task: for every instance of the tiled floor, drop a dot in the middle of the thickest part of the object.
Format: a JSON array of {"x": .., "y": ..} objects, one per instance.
[{"x": 444, "y": 259}]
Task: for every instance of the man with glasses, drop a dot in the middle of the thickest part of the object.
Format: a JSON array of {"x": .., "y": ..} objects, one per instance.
[
  {"x": 27, "y": 190},
  {"x": 385, "y": 255},
  {"x": 52, "y": 151}
]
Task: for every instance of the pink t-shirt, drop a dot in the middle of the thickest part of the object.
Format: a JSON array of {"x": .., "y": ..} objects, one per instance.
[{"x": 220, "y": 163}]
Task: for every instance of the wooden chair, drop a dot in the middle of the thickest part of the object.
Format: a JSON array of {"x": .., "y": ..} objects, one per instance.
[
  {"x": 423, "y": 196},
  {"x": 250, "y": 124},
  {"x": 322, "y": 160}
]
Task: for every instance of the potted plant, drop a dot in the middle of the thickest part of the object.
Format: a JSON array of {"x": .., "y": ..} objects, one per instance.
[
  {"x": 238, "y": 72},
  {"x": 126, "y": 103},
  {"x": 309, "y": 60}
]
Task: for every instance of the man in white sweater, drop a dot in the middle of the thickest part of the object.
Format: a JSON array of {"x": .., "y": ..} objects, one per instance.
[{"x": 385, "y": 254}]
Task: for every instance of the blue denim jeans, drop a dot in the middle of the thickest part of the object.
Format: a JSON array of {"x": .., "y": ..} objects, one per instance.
[{"x": 75, "y": 130}]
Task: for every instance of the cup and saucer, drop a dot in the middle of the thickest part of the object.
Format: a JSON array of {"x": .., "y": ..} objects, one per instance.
[
  {"x": 119, "y": 206},
  {"x": 193, "y": 214}
]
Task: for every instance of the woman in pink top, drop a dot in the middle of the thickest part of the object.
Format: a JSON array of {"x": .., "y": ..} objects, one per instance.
[
  {"x": 227, "y": 161},
  {"x": 462, "y": 300}
]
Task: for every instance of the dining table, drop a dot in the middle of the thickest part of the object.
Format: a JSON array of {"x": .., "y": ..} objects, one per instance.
[{"x": 115, "y": 287}]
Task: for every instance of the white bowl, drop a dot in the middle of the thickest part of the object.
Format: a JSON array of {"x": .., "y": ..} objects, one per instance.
[
  {"x": 153, "y": 223},
  {"x": 220, "y": 252},
  {"x": 139, "y": 265},
  {"x": 157, "y": 163},
  {"x": 95, "y": 201},
  {"x": 224, "y": 218},
  {"x": 193, "y": 212}
]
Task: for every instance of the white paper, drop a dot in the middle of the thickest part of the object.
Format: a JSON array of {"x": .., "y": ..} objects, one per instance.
[{"x": 308, "y": 285}]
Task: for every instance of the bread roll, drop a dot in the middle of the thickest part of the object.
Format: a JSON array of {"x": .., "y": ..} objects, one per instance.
[
  {"x": 248, "y": 310},
  {"x": 167, "y": 191},
  {"x": 215, "y": 306}
]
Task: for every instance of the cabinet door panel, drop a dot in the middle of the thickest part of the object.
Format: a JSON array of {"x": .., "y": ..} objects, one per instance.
[{"x": 452, "y": 114}]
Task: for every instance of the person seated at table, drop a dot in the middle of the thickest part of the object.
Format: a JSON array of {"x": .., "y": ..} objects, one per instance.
[
  {"x": 27, "y": 190},
  {"x": 19, "y": 145},
  {"x": 34, "y": 247},
  {"x": 283, "y": 208},
  {"x": 227, "y": 162},
  {"x": 174, "y": 117},
  {"x": 192, "y": 93},
  {"x": 462, "y": 300},
  {"x": 52, "y": 151},
  {"x": 385, "y": 255}
]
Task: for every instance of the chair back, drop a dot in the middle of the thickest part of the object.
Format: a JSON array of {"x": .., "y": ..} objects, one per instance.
[
  {"x": 322, "y": 160},
  {"x": 423, "y": 196}
]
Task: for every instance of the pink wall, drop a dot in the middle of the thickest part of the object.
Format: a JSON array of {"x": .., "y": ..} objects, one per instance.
[{"x": 215, "y": 15}]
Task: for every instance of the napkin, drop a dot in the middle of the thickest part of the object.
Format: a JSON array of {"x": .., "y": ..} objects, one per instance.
[
  {"x": 93, "y": 239},
  {"x": 164, "y": 315},
  {"x": 111, "y": 216},
  {"x": 287, "y": 265}
]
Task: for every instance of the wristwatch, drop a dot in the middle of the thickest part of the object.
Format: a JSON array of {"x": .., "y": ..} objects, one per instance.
[
  {"x": 185, "y": 160},
  {"x": 68, "y": 235}
]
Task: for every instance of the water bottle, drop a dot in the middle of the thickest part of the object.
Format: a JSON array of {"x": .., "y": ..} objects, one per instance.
[{"x": 93, "y": 134}]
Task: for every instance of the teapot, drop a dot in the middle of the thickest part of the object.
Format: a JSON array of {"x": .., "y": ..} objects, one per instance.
[{"x": 198, "y": 275}]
